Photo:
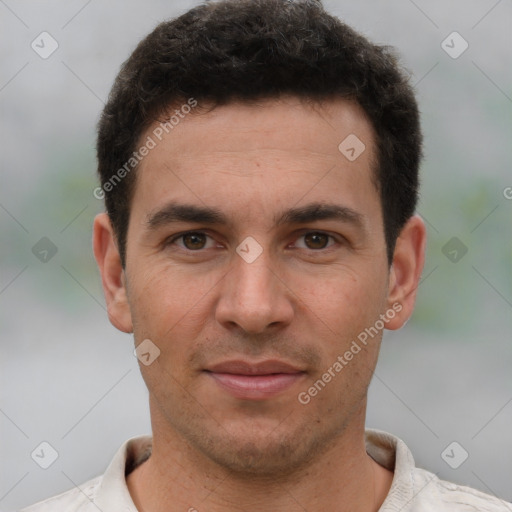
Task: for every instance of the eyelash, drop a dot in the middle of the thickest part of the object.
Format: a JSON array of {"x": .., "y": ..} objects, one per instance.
[{"x": 173, "y": 239}]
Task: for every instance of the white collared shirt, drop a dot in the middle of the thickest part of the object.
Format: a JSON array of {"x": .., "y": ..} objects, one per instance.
[{"x": 412, "y": 489}]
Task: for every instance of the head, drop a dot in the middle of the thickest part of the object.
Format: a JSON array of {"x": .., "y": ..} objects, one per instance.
[
  {"x": 221, "y": 52},
  {"x": 289, "y": 146}
]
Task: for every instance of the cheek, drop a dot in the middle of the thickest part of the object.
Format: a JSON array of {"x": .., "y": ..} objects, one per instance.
[
  {"x": 345, "y": 302},
  {"x": 173, "y": 314},
  {"x": 167, "y": 303}
]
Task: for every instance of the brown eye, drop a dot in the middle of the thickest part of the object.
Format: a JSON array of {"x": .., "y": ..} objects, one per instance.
[
  {"x": 194, "y": 241},
  {"x": 316, "y": 240}
]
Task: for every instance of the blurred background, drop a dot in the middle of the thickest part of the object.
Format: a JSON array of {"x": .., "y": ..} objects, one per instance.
[{"x": 68, "y": 378}]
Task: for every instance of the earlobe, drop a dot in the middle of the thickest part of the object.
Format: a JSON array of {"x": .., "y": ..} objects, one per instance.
[
  {"x": 405, "y": 272},
  {"x": 112, "y": 273}
]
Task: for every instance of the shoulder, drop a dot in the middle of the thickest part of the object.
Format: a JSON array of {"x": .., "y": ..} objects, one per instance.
[
  {"x": 432, "y": 494},
  {"x": 106, "y": 492},
  {"x": 417, "y": 490},
  {"x": 79, "y": 499}
]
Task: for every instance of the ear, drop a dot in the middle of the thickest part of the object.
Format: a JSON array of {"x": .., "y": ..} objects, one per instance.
[
  {"x": 112, "y": 274},
  {"x": 405, "y": 273}
]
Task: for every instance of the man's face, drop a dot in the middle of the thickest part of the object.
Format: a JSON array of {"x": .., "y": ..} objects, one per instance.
[{"x": 321, "y": 279}]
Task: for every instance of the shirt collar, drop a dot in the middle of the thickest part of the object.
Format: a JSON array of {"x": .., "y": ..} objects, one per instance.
[
  {"x": 386, "y": 449},
  {"x": 113, "y": 493},
  {"x": 393, "y": 454}
]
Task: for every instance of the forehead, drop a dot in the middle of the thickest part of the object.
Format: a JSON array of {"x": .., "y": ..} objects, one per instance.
[
  {"x": 319, "y": 125},
  {"x": 268, "y": 154}
]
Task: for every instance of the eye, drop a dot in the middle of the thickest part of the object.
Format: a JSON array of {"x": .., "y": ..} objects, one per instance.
[
  {"x": 192, "y": 241},
  {"x": 316, "y": 240}
]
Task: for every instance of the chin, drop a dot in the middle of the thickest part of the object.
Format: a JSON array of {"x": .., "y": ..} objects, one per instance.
[
  {"x": 265, "y": 456},
  {"x": 256, "y": 459}
]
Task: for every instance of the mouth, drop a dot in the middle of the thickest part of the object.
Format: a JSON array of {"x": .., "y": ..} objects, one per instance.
[{"x": 255, "y": 381}]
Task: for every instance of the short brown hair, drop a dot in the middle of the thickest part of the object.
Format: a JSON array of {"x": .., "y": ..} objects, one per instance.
[{"x": 256, "y": 49}]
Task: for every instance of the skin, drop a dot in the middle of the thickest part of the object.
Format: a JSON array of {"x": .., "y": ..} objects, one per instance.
[{"x": 303, "y": 300}]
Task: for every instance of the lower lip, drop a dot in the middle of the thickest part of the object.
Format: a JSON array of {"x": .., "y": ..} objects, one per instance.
[{"x": 255, "y": 387}]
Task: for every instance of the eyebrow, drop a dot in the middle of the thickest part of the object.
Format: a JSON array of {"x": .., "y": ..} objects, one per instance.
[
  {"x": 176, "y": 212},
  {"x": 321, "y": 211}
]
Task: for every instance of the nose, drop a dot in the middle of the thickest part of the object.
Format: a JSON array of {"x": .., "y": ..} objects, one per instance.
[{"x": 254, "y": 297}]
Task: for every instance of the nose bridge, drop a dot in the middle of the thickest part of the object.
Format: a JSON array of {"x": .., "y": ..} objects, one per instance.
[
  {"x": 253, "y": 280},
  {"x": 252, "y": 296}
]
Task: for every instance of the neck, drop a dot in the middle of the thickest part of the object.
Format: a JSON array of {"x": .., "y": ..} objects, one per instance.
[{"x": 342, "y": 478}]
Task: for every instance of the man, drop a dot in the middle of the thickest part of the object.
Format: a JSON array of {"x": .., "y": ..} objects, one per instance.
[{"x": 259, "y": 162}]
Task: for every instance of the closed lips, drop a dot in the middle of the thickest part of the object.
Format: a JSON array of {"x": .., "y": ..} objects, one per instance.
[{"x": 254, "y": 381}]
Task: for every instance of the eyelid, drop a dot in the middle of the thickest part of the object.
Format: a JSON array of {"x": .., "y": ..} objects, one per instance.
[
  {"x": 173, "y": 238},
  {"x": 338, "y": 239}
]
